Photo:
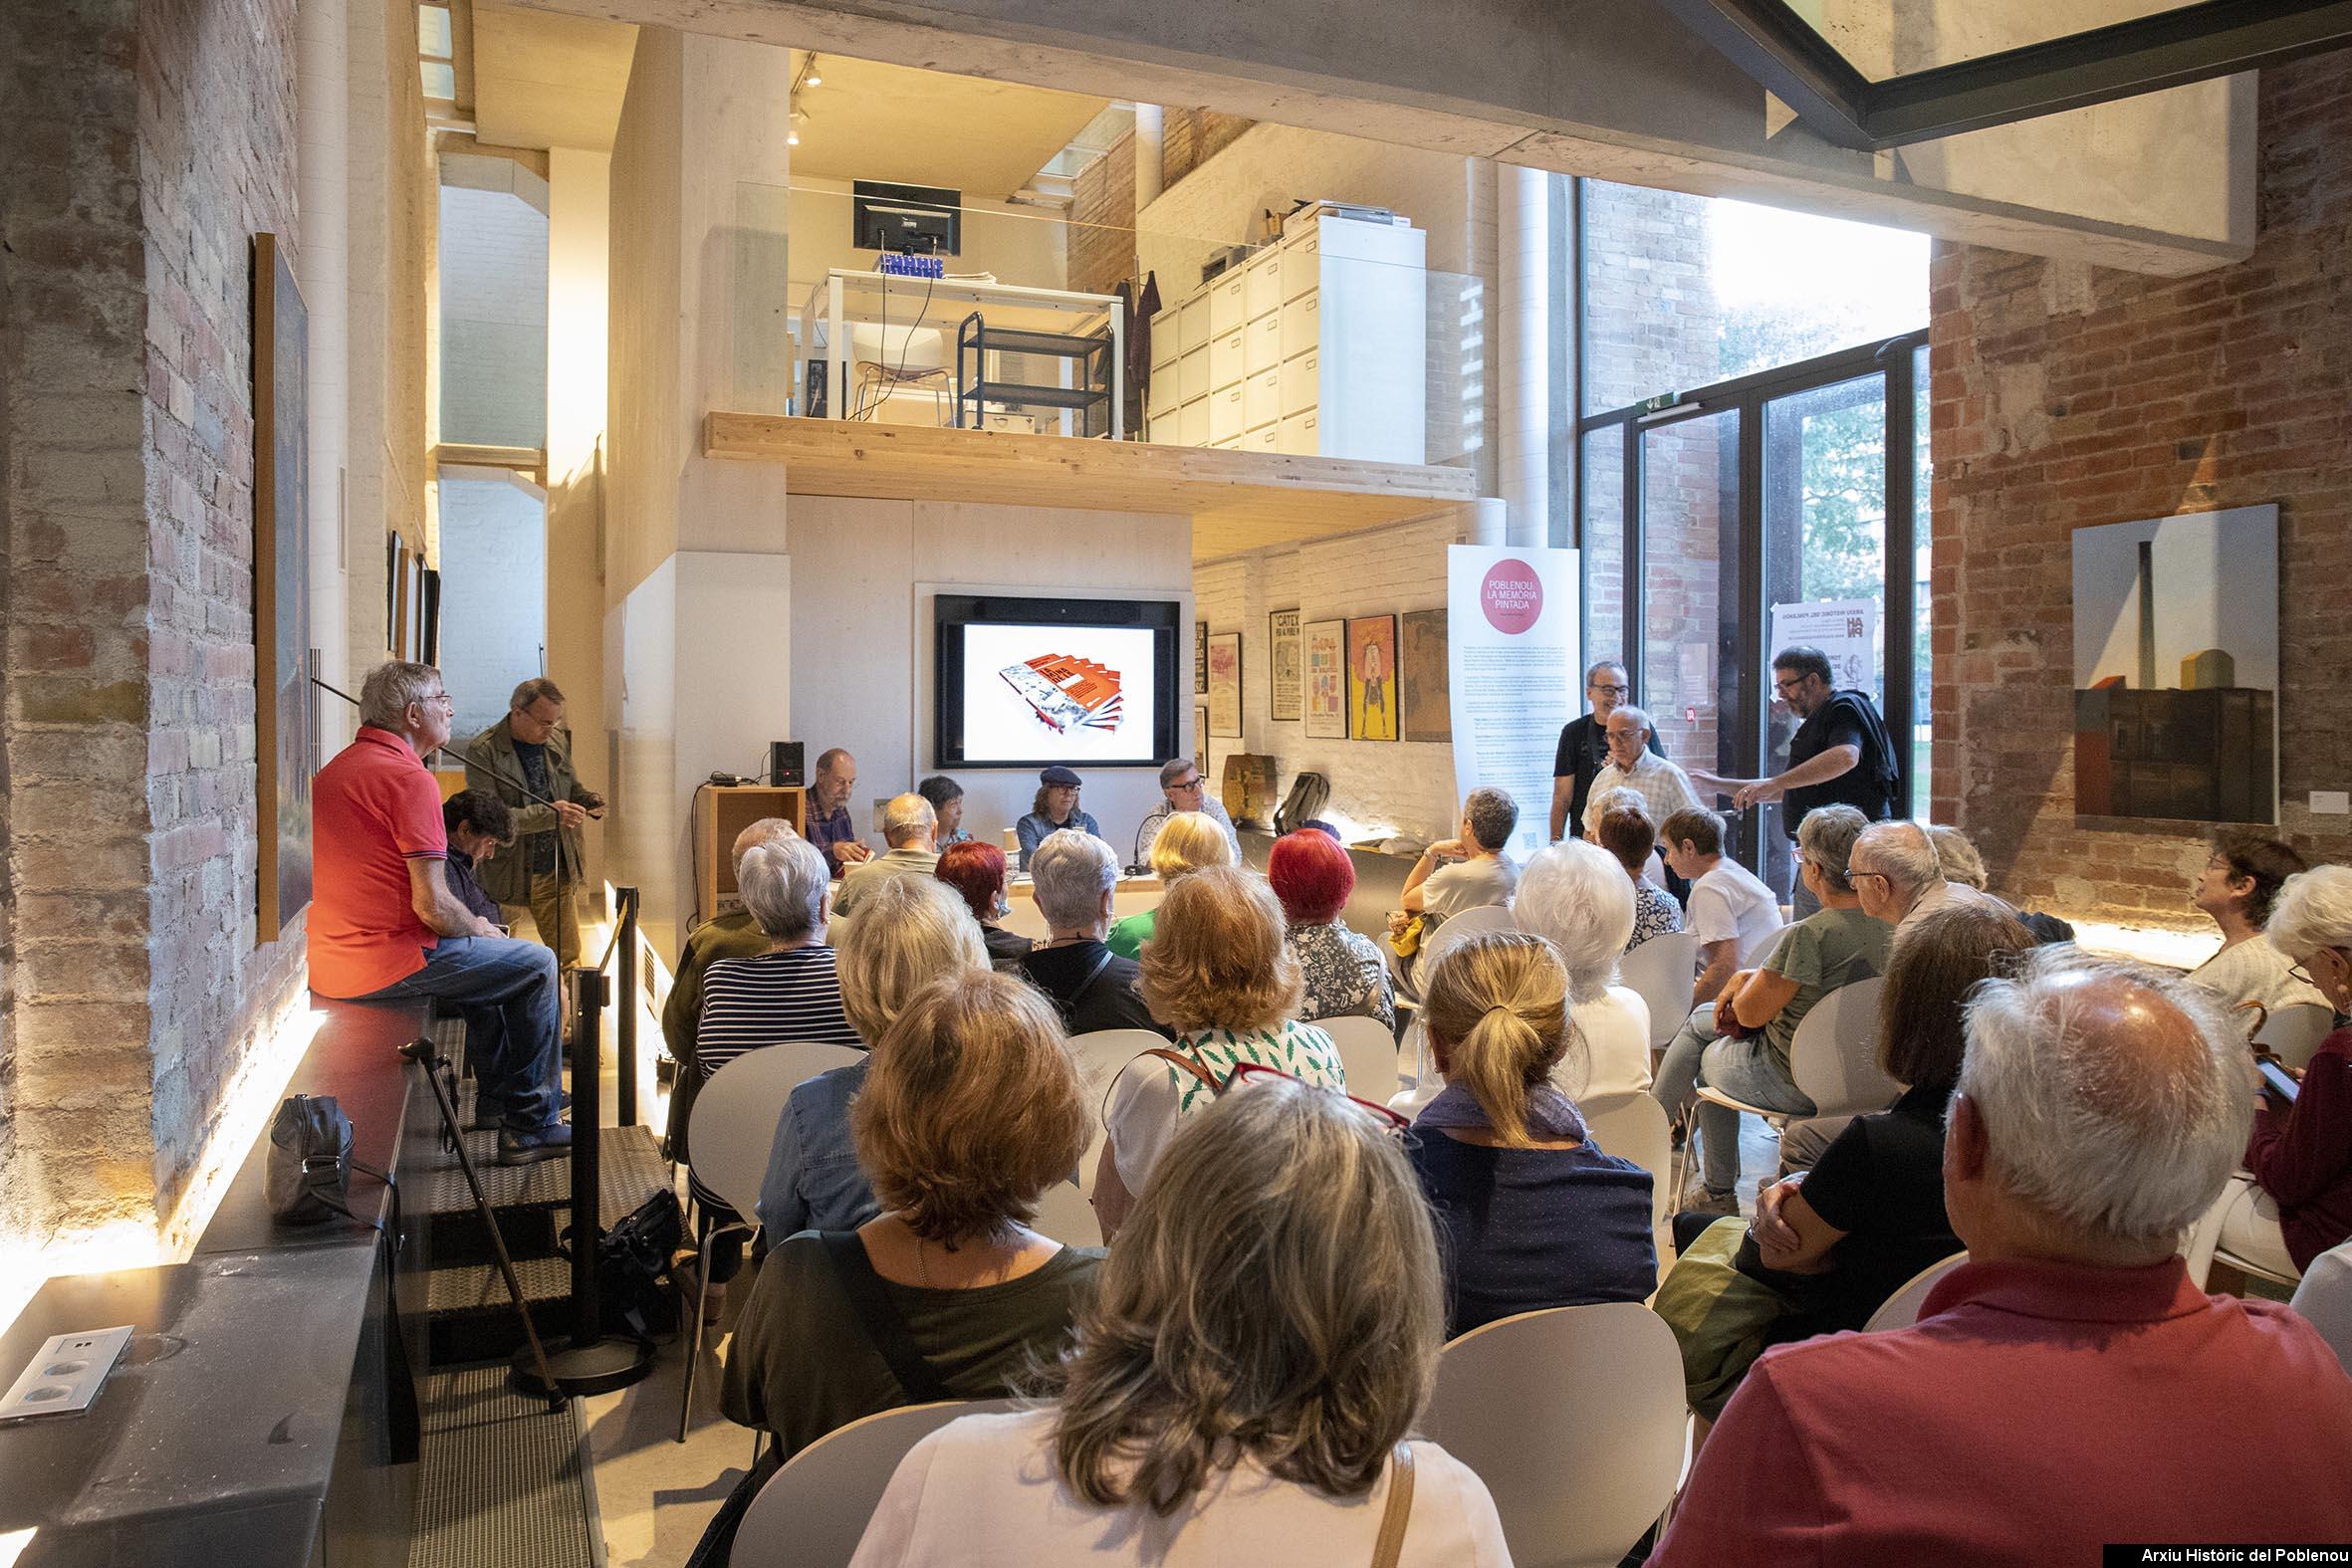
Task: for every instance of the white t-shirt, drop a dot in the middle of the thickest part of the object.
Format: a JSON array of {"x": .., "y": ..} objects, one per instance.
[
  {"x": 1616, "y": 1031},
  {"x": 983, "y": 1493},
  {"x": 1730, "y": 902}
]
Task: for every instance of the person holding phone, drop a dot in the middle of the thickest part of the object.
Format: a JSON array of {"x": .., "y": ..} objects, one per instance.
[{"x": 2294, "y": 1199}]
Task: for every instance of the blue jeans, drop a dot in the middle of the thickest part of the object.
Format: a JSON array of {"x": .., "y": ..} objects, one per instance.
[
  {"x": 506, "y": 990},
  {"x": 1678, "y": 1070},
  {"x": 1745, "y": 1070}
]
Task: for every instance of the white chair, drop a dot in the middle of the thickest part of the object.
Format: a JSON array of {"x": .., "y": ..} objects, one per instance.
[
  {"x": 1574, "y": 1420},
  {"x": 1456, "y": 929},
  {"x": 2203, "y": 1249},
  {"x": 1664, "y": 970},
  {"x": 1761, "y": 947},
  {"x": 733, "y": 1133},
  {"x": 1367, "y": 1050},
  {"x": 812, "y": 1512},
  {"x": 1901, "y": 1309},
  {"x": 1100, "y": 1057},
  {"x": 2293, "y": 1033},
  {"x": 1634, "y": 1127},
  {"x": 1066, "y": 1214},
  {"x": 2325, "y": 1299},
  {"x": 1834, "y": 1059}
]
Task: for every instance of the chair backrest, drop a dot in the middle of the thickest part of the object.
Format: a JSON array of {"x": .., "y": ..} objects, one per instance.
[
  {"x": 1100, "y": 1057},
  {"x": 735, "y": 1115},
  {"x": 1067, "y": 1213},
  {"x": 1367, "y": 1050},
  {"x": 1634, "y": 1127},
  {"x": 1761, "y": 947},
  {"x": 1573, "y": 1419},
  {"x": 1834, "y": 1054},
  {"x": 1663, "y": 971},
  {"x": 812, "y": 1512},
  {"x": 2292, "y": 1034},
  {"x": 1901, "y": 1309},
  {"x": 1457, "y": 929},
  {"x": 2325, "y": 1299}
]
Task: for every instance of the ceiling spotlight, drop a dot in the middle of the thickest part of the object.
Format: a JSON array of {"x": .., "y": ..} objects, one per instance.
[
  {"x": 813, "y": 79},
  {"x": 792, "y": 139}
]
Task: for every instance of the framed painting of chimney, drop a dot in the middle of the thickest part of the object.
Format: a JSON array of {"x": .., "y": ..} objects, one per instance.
[{"x": 2176, "y": 668}]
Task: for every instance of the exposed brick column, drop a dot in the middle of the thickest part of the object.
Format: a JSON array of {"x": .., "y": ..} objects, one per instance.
[{"x": 2065, "y": 397}]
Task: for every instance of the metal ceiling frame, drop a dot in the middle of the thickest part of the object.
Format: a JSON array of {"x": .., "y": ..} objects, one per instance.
[{"x": 2217, "y": 38}]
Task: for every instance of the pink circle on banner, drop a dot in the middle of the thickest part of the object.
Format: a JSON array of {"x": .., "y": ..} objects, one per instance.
[{"x": 1511, "y": 596}]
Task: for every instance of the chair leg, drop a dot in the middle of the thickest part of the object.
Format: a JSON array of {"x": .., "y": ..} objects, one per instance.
[{"x": 702, "y": 1288}]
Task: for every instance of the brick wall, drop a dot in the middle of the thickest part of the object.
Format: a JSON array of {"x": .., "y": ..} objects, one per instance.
[
  {"x": 1193, "y": 137},
  {"x": 1102, "y": 220},
  {"x": 216, "y": 146},
  {"x": 1407, "y": 784},
  {"x": 2064, "y": 396}
]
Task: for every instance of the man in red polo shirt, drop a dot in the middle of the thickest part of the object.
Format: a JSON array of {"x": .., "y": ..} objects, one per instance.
[
  {"x": 385, "y": 924},
  {"x": 2070, "y": 1385}
]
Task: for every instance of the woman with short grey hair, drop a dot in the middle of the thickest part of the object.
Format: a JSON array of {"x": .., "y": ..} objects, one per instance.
[
  {"x": 1576, "y": 897},
  {"x": 1074, "y": 879},
  {"x": 783, "y": 884},
  {"x": 2295, "y": 1199}
]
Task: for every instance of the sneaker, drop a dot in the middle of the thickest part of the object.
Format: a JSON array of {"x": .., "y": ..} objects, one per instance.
[
  {"x": 1703, "y": 1200},
  {"x": 551, "y": 1142}
]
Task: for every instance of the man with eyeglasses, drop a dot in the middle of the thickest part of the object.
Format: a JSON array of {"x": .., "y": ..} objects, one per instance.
[
  {"x": 1840, "y": 755},
  {"x": 525, "y": 759},
  {"x": 385, "y": 926},
  {"x": 1585, "y": 746},
  {"x": 1181, "y": 789}
]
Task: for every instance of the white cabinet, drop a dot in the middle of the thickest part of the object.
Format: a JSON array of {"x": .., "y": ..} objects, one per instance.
[{"x": 1316, "y": 345}]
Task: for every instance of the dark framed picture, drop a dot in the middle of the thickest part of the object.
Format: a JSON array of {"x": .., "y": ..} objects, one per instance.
[
  {"x": 1200, "y": 739},
  {"x": 1285, "y": 691},
  {"x": 1421, "y": 676}
]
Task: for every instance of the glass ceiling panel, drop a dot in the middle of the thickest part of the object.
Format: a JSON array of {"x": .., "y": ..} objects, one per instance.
[{"x": 1893, "y": 37}]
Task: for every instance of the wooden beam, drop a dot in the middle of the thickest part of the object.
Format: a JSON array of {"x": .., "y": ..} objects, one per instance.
[{"x": 1236, "y": 500}]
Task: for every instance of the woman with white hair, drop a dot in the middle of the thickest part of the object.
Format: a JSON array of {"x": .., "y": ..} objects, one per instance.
[
  {"x": 2296, "y": 1203},
  {"x": 1246, "y": 1378},
  {"x": 1575, "y": 896}
]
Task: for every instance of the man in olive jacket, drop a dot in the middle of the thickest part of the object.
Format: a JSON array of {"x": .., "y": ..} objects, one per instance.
[{"x": 530, "y": 747}]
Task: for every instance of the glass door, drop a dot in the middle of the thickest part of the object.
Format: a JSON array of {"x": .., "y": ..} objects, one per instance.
[{"x": 1686, "y": 577}]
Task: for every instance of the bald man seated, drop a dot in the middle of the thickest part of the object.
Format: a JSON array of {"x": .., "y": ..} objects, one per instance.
[
  {"x": 731, "y": 935},
  {"x": 2070, "y": 1385},
  {"x": 910, "y": 825}
]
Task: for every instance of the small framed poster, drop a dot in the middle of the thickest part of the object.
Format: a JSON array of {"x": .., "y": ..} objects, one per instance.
[
  {"x": 1324, "y": 662},
  {"x": 1284, "y": 696},
  {"x": 1225, "y": 685},
  {"x": 1200, "y": 739},
  {"x": 1371, "y": 677},
  {"x": 1200, "y": 658},
  {"x": 1422, "y": 694}
]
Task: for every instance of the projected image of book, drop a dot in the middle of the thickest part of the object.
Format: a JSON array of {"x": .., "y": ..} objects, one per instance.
[{"x": 1068, "y": 693}]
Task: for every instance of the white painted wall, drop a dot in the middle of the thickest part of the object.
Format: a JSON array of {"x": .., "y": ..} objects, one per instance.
[
  {"x": 1401, "y": 783},
  {"x": 860, "y": 636}
]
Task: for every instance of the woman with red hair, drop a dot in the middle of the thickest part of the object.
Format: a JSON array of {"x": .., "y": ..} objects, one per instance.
[
  {"x": 1345, "y": 977},
  {"x": 976, "y": 870}
]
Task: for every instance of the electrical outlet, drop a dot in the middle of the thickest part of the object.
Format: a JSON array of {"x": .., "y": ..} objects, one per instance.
[
  {"x": 64, "y": 1379},
  {"x": 2331, "y": 803}
]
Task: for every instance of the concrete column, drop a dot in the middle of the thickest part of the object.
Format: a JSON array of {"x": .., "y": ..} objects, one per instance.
[
  {"x": 322, "y": 144},
  {"x": 1152, "y": 151},
  {"x": 578, "y": 252},
  {"x": 1521, "y": 350}
]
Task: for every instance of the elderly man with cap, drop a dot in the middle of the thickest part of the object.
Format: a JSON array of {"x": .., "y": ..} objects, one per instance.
[
  {"x": 1181, "y": 789},
  {"x": 2070, "y": 1385},
  {"x": 1056, "y": 807},
  {"x": 734, "y": 934}
]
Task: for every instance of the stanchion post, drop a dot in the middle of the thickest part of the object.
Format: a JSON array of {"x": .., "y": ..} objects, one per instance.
[{"x": 626, "y": 1034}]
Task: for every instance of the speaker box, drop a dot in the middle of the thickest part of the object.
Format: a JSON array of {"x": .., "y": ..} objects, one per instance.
[{"x": 784, "y": 765}]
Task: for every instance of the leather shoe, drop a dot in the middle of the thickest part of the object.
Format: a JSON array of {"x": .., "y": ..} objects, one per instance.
[
  {"x": 489, "y": 1115},
  {"x": 551, "y": 1142}
]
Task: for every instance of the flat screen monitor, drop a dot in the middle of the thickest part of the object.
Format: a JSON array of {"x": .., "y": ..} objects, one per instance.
[
  {"x": 922, "y": 220},
  {"x": 1024, "y": 682}
]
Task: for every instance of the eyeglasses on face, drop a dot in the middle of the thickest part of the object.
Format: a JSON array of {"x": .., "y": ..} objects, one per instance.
[
  {"x": 1249, "y": 1071},
  {"x": 1788, "y": 683},
  {"x": 1194, "y": 783},
  {"x": 1598, "y": 688},
  {"x": 1855, "y": 875},
  {"x": 2300, "y": 972}
]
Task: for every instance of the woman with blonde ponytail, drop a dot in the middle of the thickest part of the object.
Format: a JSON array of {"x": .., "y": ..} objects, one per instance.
[{"x": 1530, "y": 1212}]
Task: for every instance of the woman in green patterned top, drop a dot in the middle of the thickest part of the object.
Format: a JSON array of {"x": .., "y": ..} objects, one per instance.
[{"x": 1217, "y": 973}]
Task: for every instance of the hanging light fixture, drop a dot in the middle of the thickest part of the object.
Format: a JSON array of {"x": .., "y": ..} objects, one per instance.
[{"x": 811, "y": 78}]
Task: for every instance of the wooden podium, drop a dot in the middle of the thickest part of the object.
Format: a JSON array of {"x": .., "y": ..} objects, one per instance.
[{"x": 720, "y": 813}]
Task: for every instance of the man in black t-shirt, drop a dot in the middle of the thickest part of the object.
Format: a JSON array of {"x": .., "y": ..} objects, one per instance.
[
  {"x": 1585, "y": 747},
  {"x": 1841, "y": 753}
]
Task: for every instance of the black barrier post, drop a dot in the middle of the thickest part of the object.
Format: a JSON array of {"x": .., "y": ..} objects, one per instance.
[
  {"x": 626, "y": 1039},
  {"x": 592, "y": 1363}
]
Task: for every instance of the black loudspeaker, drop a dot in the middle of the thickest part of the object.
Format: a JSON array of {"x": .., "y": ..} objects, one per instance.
[{"x": 785, "y": 769}]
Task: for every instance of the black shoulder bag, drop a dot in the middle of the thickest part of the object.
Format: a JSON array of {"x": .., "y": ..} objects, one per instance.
[{"x": 308, "y": 1176}]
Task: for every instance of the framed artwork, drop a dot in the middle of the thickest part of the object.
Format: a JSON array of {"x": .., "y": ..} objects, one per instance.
[
  {"x": 1225, "y": 685},
  {"x": 1284, "y": 692},
  {"x": 2176, "y": 668},
  {"x": 281, "y": 588},
  {"x": 1200, "y": 658},
  {"x": 1324, "y": 658},
  {"x": 1424, "y": 701},
  {"x": 1200, "y": 739},
  {"x": 1371, "y": 677}
]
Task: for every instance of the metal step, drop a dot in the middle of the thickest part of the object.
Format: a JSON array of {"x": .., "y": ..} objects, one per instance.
[{"x": 502, "y": 1482}]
